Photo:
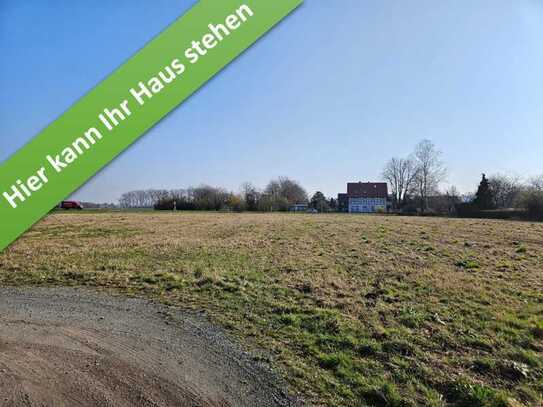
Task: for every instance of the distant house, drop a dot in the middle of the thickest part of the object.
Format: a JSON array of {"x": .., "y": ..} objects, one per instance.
[
  {"x": 364, "y": 197},
  {"x": 300, "y": 207}
]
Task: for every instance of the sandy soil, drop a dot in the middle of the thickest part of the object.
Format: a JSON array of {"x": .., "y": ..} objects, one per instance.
[{"x": 72, "y": 347}]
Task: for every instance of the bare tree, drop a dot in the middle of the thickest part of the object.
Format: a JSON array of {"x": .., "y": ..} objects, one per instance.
[
  {"x": 531, "y": 198},
  {"x": 143, "y": 198},
  {"x": 129, "y": 200},
  {"x": 124, "y": 201},
  {"x": 453, "y": 198},
  {"x": 206, "y": 197},
  {"x": 430, "y": 171},
  {"x": 505, "y": 190},
  {"x": 536, "y": 183},
  {"x": 250, "y": 196},
  {"x": 282, "y": 192},
  {"x": 292, "y": 191},
  {"x": 401, "y": 174}
]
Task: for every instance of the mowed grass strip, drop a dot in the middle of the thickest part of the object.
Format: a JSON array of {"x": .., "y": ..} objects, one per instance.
[{"x": 351, "y": 310}]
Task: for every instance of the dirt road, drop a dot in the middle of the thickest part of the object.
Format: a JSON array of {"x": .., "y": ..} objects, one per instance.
[{"x": 72, "y": 347}]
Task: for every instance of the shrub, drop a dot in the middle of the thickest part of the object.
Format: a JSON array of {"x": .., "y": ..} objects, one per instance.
[
  {"x": 164, "y": 205},
  {"x": 332, "y": 361},
  {"x": 385, "y": 394},
  {"x": 468, "y": 264},
  {"x": 533, "y": 203},
  {"x": 521, "y": 249},
  {"x": 537, "y": 330},
  {"x": 467, "y": 210},
  {"x": 469, "y": 394}
]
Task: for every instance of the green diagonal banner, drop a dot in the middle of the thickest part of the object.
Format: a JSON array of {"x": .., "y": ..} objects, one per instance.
[{"x": 128, "y": 103}]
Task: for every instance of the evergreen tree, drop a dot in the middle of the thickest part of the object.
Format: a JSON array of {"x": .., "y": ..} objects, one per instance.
[
  {"x": 333, "y": 204},
  {"x": 484, "y": 198}
]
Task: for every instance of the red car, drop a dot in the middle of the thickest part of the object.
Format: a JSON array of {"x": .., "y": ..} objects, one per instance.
[{"x": 71, "y": 205}]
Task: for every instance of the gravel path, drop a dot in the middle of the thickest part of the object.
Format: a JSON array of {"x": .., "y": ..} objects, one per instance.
[{"x": 76, "y": 347}]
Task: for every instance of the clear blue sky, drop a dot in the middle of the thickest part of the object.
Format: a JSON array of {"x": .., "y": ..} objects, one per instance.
[{"x": 327, "y": 97}]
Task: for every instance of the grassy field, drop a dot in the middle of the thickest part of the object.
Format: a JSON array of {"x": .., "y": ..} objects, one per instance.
[{"x": 351, "y": 310}]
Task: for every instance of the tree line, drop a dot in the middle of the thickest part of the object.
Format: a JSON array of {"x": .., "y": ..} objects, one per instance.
[
  {"x": 278, "y": 195},
  {"x": 505, "y": 193},
  {"x": 415, "y": 183}
]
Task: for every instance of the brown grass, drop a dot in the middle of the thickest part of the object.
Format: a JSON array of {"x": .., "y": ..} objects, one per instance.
[{"x": 351, "y": 310}]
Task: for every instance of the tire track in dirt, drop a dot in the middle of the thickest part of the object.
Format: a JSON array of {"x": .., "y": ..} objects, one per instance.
[{"x": 75, "y": 347}]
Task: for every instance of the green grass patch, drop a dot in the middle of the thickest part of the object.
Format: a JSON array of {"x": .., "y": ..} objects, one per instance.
[{"x": 351, "y": 311}]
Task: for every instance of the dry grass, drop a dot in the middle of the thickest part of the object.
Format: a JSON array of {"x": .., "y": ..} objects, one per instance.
[{"x": 352, "y": 310}]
